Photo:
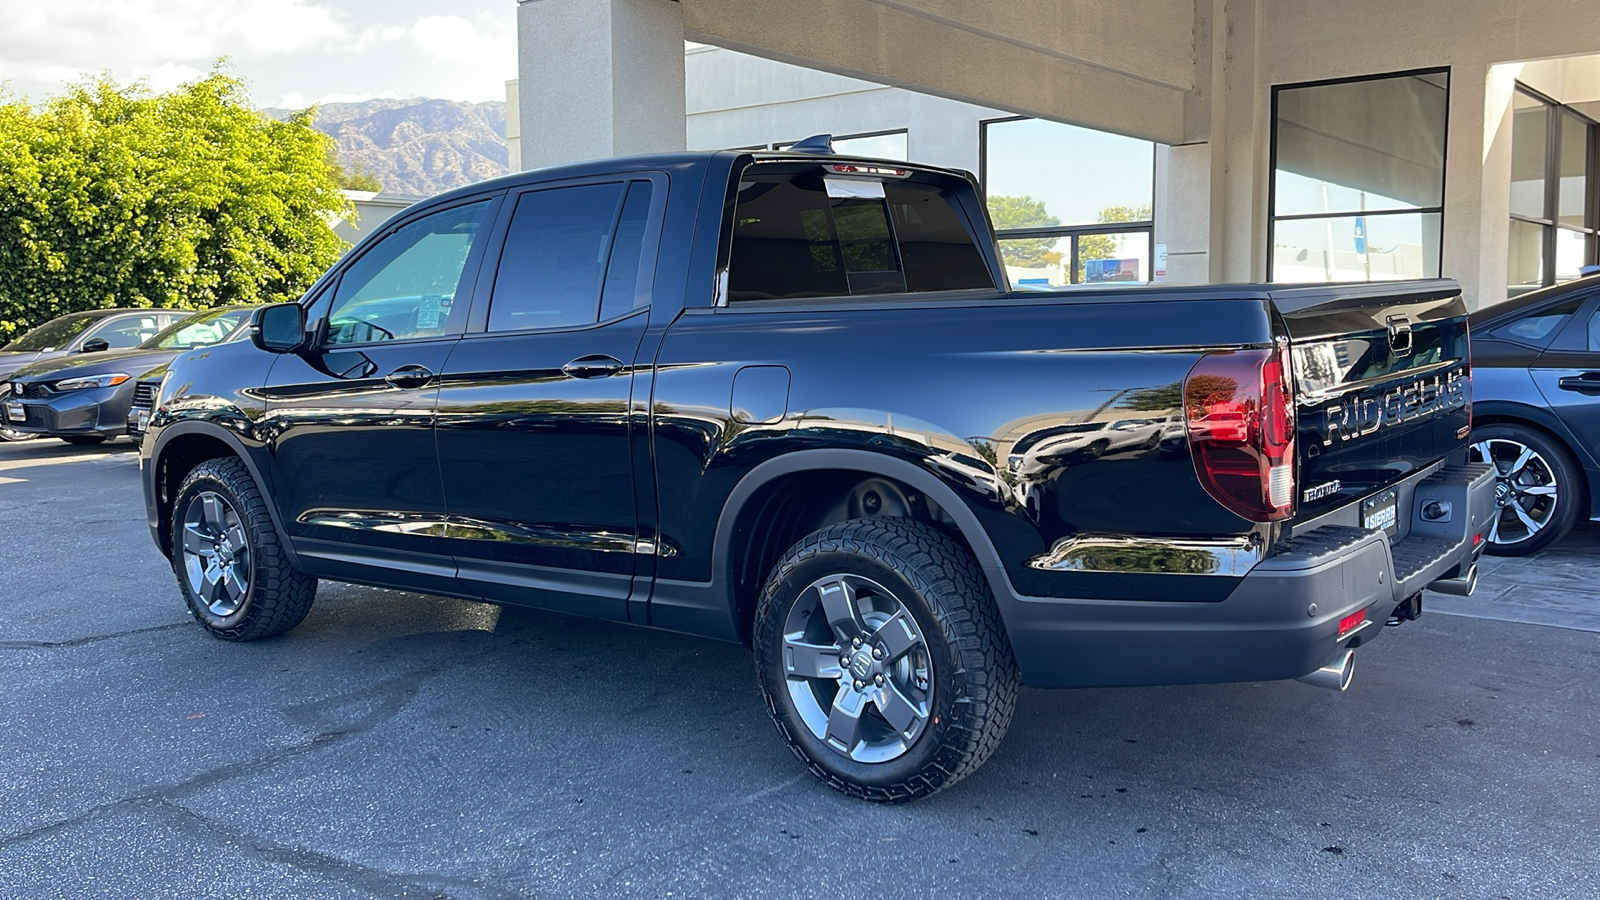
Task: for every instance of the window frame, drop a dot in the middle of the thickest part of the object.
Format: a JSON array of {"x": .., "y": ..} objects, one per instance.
[
  {"x": 1272, "y": 164},
  {"x": 328, "y": 291},
  {"x": 1550, "y": 224},
  {"x": 649, "y": 254},
  {"x": 1075, "y": 232}
]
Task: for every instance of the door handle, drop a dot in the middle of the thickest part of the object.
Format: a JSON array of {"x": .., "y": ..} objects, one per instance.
[
  {"x": 1587, "y": 383},
  {"x": 409, "y": 377},
  {"x": 593, "y": 366}
]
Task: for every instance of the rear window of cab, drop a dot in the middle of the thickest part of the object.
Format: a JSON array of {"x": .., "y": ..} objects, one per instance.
[{"x": 808, "y": 234}]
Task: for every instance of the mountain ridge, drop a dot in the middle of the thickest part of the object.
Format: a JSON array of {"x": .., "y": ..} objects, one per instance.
[{"x": 417, "y": 146}]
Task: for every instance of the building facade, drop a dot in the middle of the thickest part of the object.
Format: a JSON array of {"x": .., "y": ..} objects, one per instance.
[{"x": 1288, "y": 140}]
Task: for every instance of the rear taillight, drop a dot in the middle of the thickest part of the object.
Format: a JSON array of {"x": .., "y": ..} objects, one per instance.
[{"x": 1239, "y": 410}]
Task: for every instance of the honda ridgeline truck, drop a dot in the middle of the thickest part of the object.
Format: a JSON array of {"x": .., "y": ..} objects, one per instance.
[{"x": 789, "y": 399}]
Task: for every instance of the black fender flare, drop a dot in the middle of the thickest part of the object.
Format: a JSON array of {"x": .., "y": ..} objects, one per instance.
[
  {"x": 867, "y": 463},
  {"x": 211, "y": 430}
]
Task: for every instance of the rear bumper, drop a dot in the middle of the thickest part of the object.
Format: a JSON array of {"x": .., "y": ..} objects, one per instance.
[{"x": 1281, "y": 621}]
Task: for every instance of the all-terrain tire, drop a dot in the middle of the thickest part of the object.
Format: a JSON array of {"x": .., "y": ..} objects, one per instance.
[
  {"x": 278, "y": 595},
  {"x": 973, "y": 673}
]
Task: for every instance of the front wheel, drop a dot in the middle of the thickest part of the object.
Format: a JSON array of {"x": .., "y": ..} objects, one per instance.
[
  {"x": 12, "y": 434},
  {"x": 84, "y": 440},
  {"x": 239, "y": 583},
  {"x": 883, "y": 659}
]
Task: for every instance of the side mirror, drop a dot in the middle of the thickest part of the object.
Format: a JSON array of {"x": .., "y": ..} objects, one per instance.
[
  {"x": 95, "y": 345},
  {"x": 280, "y": 328}
]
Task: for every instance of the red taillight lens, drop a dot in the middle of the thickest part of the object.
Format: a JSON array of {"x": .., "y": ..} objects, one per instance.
[{"x": 1239, "y": 409}]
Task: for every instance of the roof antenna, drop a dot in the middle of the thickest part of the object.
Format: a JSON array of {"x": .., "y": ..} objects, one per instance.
[{"x": 819, "y": 144}]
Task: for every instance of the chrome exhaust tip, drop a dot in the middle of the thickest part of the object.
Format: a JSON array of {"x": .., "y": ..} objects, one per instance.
[
  {"x": 1334, "y": 676},
  {"x": 1460, "y": 587}
]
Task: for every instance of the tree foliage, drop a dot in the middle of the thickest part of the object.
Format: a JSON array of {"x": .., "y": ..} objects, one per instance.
[
  {"x": 114, "y": 196},
  {"x": 1103, "y": 246},
  {"x": 1024, "y": 212}
]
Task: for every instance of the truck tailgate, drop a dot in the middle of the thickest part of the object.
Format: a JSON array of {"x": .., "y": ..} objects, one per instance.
[{"x": 1382, "y": 384}]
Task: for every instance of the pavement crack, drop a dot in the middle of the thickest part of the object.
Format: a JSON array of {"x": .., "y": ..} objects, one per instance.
[
  {"x": 88, "y": 639},
  {"x": 374, "y": 880}
]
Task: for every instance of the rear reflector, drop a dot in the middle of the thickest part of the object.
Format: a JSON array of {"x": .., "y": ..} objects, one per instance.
[
  {"x": 1351, "y": 622},
  {"x": 1239, "y": 410}
]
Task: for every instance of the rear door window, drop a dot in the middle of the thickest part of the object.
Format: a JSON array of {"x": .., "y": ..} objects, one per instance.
[
  {"x": 805, "y": 235},
  {"x": 572, "y": 257},
  {"x": 1538, "y": 327}
]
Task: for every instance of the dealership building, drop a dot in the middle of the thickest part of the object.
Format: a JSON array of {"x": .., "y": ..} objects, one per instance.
[{"x": 1178, "y": 140}]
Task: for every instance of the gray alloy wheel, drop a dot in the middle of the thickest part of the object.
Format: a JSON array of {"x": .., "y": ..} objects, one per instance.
[
  {"x": 882, "y": 658},
  {"x": 1537, "y": 491},
  {"x": 11, "y": 434},
  {"x": 216, "y": 553},
  {"x": 235, "y": 574},
  {"x": 859, "y": 674}
]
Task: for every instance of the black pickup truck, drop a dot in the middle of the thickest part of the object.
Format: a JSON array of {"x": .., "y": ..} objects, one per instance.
[{"x": 789, "y": 399}]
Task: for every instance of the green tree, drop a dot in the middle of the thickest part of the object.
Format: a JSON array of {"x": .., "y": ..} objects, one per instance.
[
  {"x": 354, "y": 178},
  {"x": 111, "y": 195},
  {"x": 1102, "y": 246},
  {"x": 1024, "y": 212}
]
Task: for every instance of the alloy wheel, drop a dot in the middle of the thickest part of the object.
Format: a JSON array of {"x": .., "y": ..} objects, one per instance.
[
  {"x": 1526, "y": 489},
  {"x": 857, "y": 668},
  {"x": 12, "y": 434},
  {"x": 216, "y": 553}
]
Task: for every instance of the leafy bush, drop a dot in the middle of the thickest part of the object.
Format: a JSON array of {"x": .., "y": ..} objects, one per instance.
[{"x": 113, "y": 195}]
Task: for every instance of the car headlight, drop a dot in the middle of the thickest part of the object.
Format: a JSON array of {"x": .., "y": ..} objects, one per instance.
[{"x": 110, "y": 379}]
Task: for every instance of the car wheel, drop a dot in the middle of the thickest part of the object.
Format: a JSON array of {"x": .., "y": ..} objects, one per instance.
[
  {"x": 11, "y": 434},
  {"x": 883, "y": 659},
  {"x": 1537, "y": 487},
  {"x": 231, "y": 565},
  {"x": 84, "y": 439}
]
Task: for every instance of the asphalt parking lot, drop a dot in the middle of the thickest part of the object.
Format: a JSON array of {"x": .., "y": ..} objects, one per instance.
[{"x": 400, "y": 745}]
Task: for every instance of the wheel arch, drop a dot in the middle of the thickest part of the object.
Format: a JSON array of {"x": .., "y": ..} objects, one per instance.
[
  {"x": 758, "y": 520},
  {"x": 178, "y": 449}
]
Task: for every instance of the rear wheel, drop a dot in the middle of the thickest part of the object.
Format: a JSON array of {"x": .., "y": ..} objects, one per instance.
[
  {"x": 883, "y": 660},
  {"x": 84, "y": 439},
  {"x": 233, "y": 571},
  {"x": 1537, "y": 487}
]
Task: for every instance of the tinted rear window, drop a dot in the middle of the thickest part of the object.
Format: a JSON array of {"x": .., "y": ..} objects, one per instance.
[{"x": 791, "y": 240}]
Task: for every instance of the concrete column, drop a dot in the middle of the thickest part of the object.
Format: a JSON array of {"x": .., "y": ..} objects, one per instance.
[
  {"x": 599, "y": 78},
  {"x": 1183, "y": 210}
]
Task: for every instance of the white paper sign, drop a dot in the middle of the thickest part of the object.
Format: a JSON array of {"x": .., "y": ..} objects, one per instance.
[{"x": 843, "y": 188}]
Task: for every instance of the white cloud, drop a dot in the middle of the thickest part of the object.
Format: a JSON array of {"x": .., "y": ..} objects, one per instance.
[{"x": 303, "y": 50}]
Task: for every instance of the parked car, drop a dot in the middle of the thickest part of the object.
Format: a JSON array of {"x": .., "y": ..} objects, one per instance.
[
  {"x": 82, "y": 332},
  {"x": 769, "y": 398},
  {"x": 85, "y": 399},
  {"x": 1536, "y": 389},
  {"x": 145, "y": 388}
]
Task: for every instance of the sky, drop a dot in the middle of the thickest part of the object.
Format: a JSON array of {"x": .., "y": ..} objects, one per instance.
[{"x": 291, "y": 52}]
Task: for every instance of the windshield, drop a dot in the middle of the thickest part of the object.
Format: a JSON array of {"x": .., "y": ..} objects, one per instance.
[
  {"x": 54, "y": 333},
  {"x": 209, "y": 327}
]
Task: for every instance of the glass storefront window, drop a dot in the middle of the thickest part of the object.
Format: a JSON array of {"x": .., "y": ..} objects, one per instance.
[
  {"x": 1356, "y": 248},
  {"x": 1358, "y": 179},
  {"x": 1572, "y": 248},
  {"x": 1078, "y": 174},
  {"x": 1572, "y": 196},
  {"x": 1525, "y": 262},
  {"x": 1530, "y": 128},
  {"x": 1052, "y": 187},
  {"x": 1553, "y": 232}
]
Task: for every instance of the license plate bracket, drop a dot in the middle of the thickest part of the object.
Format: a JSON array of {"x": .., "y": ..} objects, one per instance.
[{"x": 1381, "y": 511}]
